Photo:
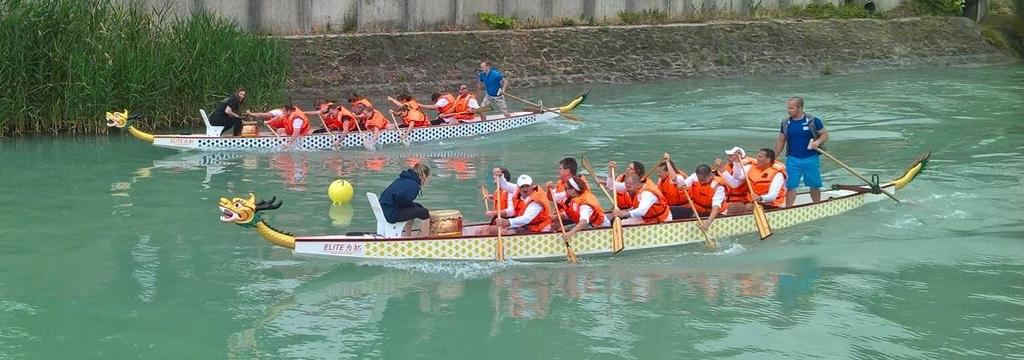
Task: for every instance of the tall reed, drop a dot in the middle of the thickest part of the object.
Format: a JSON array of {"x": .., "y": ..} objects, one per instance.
[{"x": 66, "y": 62}]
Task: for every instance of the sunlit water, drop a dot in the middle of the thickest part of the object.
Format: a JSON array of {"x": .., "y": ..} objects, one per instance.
[{"x": 110, "y": 248}]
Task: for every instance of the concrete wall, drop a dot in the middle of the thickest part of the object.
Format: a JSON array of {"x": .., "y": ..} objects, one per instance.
[{"x": 289, "y": 17}]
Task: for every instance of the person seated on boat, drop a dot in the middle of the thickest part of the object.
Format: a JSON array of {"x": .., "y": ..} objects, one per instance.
[
  {"x": 647, "y": 204},
  {"x": 567, "y": 169},
  {"x": 737, "y": 195},
  {"x": 336, "y": 118},
  {"x": 767, "y": 178},
  {"x": 500, "y": 197},
  {"x": 293, "y": 124},
  {"x": 397, "y": 200},
  {"x": 580, "y": 206},
  {"x": 226, "y": 113},
  {"x": 670, "y": 178},
  {"x": 465, "y": 109},
  {"x": 621, "y": 196},
  {"x": 373, "y": 121},
  {"x": 357, "y": 98},
  {"x": 444, "y": 103},
  {"x": 530, "y": 212},
  {"x": 707, "y": 192}
]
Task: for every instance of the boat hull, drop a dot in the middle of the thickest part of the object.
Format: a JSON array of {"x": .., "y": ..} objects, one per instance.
[{"x": 494, "y": 124}]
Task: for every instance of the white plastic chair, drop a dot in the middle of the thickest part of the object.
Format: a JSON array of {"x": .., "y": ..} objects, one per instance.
[
  {"x": 384, "y": 228},
  {"x": 210, "y": 129}
]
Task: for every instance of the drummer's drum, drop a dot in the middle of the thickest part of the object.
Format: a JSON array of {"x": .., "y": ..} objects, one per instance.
[
  {"x": 250, "y": 129},
  {"x": 445, "y": 223}
]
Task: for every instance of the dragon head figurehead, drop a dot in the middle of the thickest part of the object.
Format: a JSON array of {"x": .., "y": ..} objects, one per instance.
[
  {"x": 245, "y": 212},
  {"x": 120, "y": 119}
]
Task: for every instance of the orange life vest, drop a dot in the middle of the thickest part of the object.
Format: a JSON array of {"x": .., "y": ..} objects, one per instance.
[
  {"x": 450, "y": 107},
  {"x": 659, "y": 211},
  {"x": 287, "y": 124},
  {"x": 337, "y": 121},
  {"x": 741, "y": 193},
  {"x": 500, "y": 200},
  {"x": 462, "y": 106},
  {"x": 376, "y": 121},
  {"x": 586, "y": 198},
  {"x": 761, "y": 181},
  {"x": 673, "y": 195},
  {"x": 703, "y": 195},
  {"x": 561, "y": 186},
  {"x": 416, "y": 117},
  {"x": 543, "y": 219}
]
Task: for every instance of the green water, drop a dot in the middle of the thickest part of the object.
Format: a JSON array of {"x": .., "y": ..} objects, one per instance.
[{"x": 112, "y": 249}]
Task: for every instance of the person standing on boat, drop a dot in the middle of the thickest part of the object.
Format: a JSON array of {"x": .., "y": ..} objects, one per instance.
[
  {"x": 647, "y": 204},
  {"x": 226, "y": 113},
  {"x": 529, "y": 213},
  {"x": 801, "y": 134},
  {"x": 495, "y": 84},
  {"x": 767, "y": 178},
  {"x": 580, "y": 207},
  {"x": 397, "y": 200}
]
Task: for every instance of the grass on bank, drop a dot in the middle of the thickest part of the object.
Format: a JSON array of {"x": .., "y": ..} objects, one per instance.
[{"x": 69, "y": 61}]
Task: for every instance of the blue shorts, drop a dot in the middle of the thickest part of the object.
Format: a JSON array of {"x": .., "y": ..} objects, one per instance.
[{"x": 808, "y": 168}]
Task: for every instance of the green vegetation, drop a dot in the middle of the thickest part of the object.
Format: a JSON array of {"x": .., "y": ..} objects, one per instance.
[
  {"x": 497, "y": 22},
  {"x": 67, "y": 62},
  {"x": 994, "y": 37},
  {"x": 828, "y": 11},
  {"x": 645, "y": 16}
]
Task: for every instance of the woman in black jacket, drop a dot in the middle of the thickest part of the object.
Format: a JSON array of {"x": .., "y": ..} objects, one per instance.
[{"x": 397, "y": 200}]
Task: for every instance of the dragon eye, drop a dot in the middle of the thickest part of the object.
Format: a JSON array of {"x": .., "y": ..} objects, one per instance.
[{"x": 238, "y": 204}]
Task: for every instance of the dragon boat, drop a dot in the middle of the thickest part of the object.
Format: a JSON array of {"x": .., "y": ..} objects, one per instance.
[
  {"x": 212, "y": 140},
  {"x": 549, "y": 246}
]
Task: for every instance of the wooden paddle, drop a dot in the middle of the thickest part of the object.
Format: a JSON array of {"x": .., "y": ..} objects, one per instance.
[
  {"x": 764, "y": 229},
  {"x": 483, "y": 195},
  {"x": 617, "y": 239},
  {"x": 651, "y": 170},
  {"x": 499, "y": 247},
  {"x": 544, "y": 109},
  {"x": 324, "y": 123},
  {"x": 402, "y": 135},
  {"x": 858, "y": 175},
  {"x": 271, "y": 129},
  {"x": 708, "y": 240},
  {"x": 570, "y": 255}
]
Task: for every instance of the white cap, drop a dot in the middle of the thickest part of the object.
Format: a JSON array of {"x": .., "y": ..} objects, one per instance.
[
  {"x": 524, "y": 180},
  {"x": 736, "y": 151}
]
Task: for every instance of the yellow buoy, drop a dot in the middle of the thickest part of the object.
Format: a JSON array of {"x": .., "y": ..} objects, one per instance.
[{"x": 340, "y": 192}]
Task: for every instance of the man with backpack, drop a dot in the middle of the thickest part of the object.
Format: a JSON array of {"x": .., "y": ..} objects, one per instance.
[{"x": 804, "y": 134}]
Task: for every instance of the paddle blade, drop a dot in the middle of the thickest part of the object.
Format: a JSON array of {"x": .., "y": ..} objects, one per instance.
[
  {"x": 617, "y": 240},
  {"x": 499, "y": 249},
  {"x": 761, "y": 220},
  {"x": 570, "y": 255}
]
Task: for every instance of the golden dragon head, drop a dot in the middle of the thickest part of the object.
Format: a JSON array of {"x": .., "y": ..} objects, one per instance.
[
  {"x": 120, "y": 119},
  {"x": 245, "y": 212}
]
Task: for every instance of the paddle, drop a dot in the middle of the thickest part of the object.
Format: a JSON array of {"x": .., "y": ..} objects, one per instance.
[
  {"x": 483, "y": 195},
  {"x": 367, "y": 143},
  {"x": 651, "y": 170},
  {"x": 402, "y": 135},
  {"x": 760, "y": 219},
  {"x": 859, "y": 176},
  {"x": 708, "y": 240},
  {"x": 544, "y": 109},
  {"x": 617, "y": 239},
  {"x": 499, "y": 247},
  {"x": 570, "y": 255},
  {"x": 271, "y": 129}
]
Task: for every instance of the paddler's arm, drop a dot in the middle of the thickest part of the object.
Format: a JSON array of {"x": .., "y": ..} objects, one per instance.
[
  {"x": 716, "y": 206},
  {"x": 773, "y": 190},
  {"x": 507, "y": 186},
  {"x": 531, "y": 212},
  {"x": 504, "y": 85},
  {"x": 646, "y": 201},
  {"x": 822, "y": 138},
  {"x": 396, "y": 102},
  {"x": 585, "y": 212},
  {"x": 735, "y": 179}
]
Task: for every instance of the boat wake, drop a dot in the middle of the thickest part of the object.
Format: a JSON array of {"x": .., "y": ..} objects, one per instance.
[{"x": 456, "y": 269}]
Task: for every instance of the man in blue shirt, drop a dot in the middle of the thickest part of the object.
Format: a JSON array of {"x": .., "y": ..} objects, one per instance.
[
  {"x": 495, "y": 84},
  {"x": 804, "y": 133}
]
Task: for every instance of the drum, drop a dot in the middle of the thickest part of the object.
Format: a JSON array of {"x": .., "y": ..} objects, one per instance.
[
  {"x": 250, "y": 129},
  {"x": 445, "y": 223}
]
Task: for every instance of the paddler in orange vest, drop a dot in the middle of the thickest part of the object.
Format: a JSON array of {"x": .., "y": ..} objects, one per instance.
[
  {"x": 411, "y": 113},
  {"x": 336, "y": 118},
  {"x": 580, "y": 206},
  {"x": 444, "y": 103},
  {"x": 647, "y": 204},
  {"x": 737, "y": 195},
  {"x": 465, "y": 109},
  {"x": 767, "y": 178},
  {"x": 621, "y": 196},
  {"x": 287, "y": 120},
  {"x": 500, "y": 197},
  {"x": 567, "y": 168},
  {"x": 530, "y": 212},
  {"x": 707, "y": 192},
  {"x": 373, "y": 120}
]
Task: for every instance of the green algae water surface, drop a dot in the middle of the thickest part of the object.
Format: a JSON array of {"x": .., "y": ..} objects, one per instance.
[{"x": 112, "y": 249}]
